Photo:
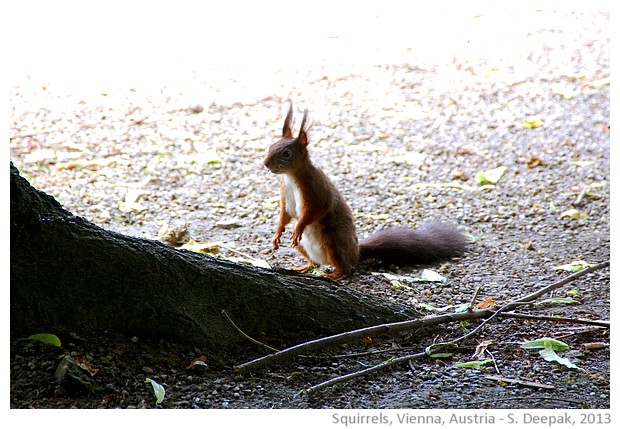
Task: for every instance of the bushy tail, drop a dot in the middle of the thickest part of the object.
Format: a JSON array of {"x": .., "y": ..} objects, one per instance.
[{"x": 430, "y": 243}]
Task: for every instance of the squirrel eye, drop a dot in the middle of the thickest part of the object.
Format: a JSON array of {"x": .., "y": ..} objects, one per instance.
[{"x": 287, "y": 153}]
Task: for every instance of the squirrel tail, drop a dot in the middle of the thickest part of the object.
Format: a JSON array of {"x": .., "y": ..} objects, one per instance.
[{"x": 433, "y": 242}]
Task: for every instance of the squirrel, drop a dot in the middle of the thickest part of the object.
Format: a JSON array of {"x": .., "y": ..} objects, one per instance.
[{"x": 325, "y": 233}]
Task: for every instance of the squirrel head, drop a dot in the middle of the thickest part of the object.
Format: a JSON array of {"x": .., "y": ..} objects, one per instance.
[{"x": 289, "y": 153}]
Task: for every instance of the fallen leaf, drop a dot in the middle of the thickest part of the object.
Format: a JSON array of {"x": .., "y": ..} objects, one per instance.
[
  {"x": 582, "y": 163},
  {"x": 573, "y": 214},
  {"x": 228, "y": 223},
  {"x": 45, "y": 339},
  {"x": 383, "y": 217},
  {"x": 175, "y": 235},
  {"x": 595, "y": 345},
  {"x": 490, "y": 176},
  {"x": 473, "y": 363},
  {"x": 254, "y": 262},
  {"x": 432, "y": 276},
  {"x": 158, "y": 390},
  {"x": 481, "y": 348},
  {"x": 86, "y": 366},
  {"x": 558, "y": 300},
  {"x": 203, "y": 247},
  {"x": 543, "y": 343},
  {"x": 549, "y": 354},
  {"x": 130, "y": 203},
  {"x": 410, "y": 158},
  {"x": 201, "y": 358},
  {"x": 533, "y": 162},
  {"x": 531, "y": 122},
  {"x": 486, "y": 303},
  {"x": 573, "y": 266}
]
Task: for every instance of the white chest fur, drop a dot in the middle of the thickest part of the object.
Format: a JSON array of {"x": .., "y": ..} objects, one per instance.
[
  {"x": 292, "y": 197},
  {"x": 310, "y": 240}
]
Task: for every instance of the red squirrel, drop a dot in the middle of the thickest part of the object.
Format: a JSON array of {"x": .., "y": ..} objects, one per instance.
[{"x": 325, "y": 229}]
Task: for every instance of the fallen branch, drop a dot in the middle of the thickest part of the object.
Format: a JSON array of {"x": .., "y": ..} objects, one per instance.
[
  {"x": 394, "y": 328},
  {"x": 388, "y": 328}
]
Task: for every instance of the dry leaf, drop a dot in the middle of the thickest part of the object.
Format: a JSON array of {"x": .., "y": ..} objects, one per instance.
[
  {"x": 531, "y": 122},
  {"x": 486, "y": 303},
  {"x": 201, "y": 358},
  {"x": 534, "y": 162},
  {"x": 481, "y": 349},
  {"x": 86, "y": 366},
  {"x": 367, "y": 341}
]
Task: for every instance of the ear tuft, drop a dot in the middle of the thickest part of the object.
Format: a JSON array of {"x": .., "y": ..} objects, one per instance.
[
  {"x": 286, "y": 129},
  {"x": 303, "y": 131}
]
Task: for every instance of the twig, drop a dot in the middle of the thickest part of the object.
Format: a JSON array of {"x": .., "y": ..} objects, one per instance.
[
  {"x": 366, "y": 371},
  {"x": 508, "y": 306},
  {"x": 517, "y": 381},
  {"x": 520, "y": 398},
  {"x": 246, "y": 336},
  {"x": 585, "y": 331},
  {"x": 580, "y": 196},
  {"x": 493, "y": 359},
  {"x": 602, "y": 323},
  {"x": 472, "y": 303}
]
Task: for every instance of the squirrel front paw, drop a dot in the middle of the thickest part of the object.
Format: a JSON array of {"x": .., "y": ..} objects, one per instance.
[
  {"x": 296, "y": 238},
  {"x": 275, "y": 241}
]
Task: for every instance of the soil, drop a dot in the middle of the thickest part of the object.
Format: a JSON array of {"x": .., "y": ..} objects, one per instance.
[{"x": 404, "y": 140}]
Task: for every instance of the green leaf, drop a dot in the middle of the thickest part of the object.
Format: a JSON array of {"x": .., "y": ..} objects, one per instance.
[
  {"x": 461, "y": 308},
  {"x": 441, "y": 355},
  {"x": 473, "y": 363},
  {"x": 558, "y": 300},
  {"x": 397, "y": 285},
  {"x": 490, "y": 176},
  {"x": 543, "y": 343},
  {"x": 573, "y": 266},
  {"x": 430, "y": 307},
  {"x": 430, "y": 350},
  {"x": 44, "y": 338},
  {"x": 158, "y": 390}
]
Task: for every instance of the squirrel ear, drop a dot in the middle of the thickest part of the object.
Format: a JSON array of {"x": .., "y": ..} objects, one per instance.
[
  {"x": 286, "y": 129},
  {"x": 303, "y": 132}
]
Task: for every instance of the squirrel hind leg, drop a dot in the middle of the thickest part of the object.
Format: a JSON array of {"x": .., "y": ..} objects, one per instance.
[
  {"x": 341, "y": 261},
  {"x": 309, "y": 265},
  {"x": 338, "y": 273}
]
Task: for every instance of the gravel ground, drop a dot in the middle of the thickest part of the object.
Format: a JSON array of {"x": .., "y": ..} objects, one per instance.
[{"x": 403, "y": 134}]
